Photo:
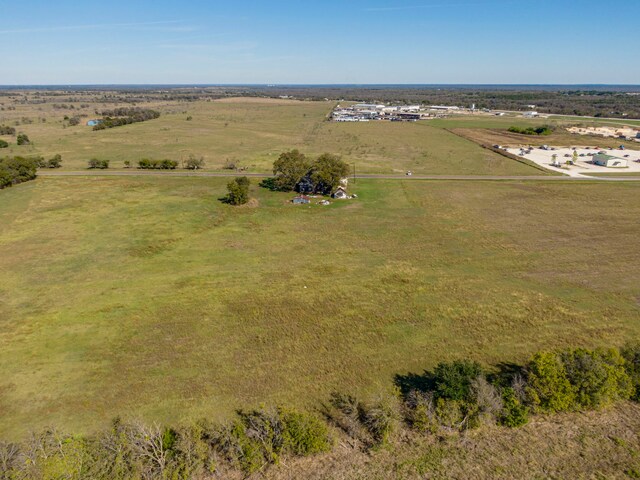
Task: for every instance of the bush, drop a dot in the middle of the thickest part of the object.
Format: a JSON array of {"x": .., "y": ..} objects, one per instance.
[
  {"x": 379, "y": 419},
  {"x": 194, "y": 163},
  {"x": 98, "y": 164},
  {"x": 631, "y": 354},
  {"x": 6, "y": 130},
  {"x": 514, "y": 414},
  {"x": 304, "y": 434},
  {"x": 597, "y": 376},
  {"x": 23, "y": 139},
  {"x": 55, "y": 161},
  {"x": 3, "y": 144},
  {"x": 238, "y": 191},
  {"x": 453, "y": 380},
  {"x": 548, "y": 386}
]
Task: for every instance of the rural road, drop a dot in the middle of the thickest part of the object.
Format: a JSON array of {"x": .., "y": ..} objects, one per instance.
[{"x": 138, "y": 173}]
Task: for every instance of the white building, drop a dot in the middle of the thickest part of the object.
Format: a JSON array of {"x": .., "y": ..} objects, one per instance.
[
  {"x": 605, "y": 160},
  {"x": 530, "y": 114}
]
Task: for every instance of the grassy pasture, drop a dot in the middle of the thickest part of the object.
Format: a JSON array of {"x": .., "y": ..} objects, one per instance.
[
  {"x": 146, "y": 296},
  {"x": 253, "y": 132}
]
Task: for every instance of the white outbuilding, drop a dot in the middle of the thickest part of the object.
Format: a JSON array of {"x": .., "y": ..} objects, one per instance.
[{"x": 609, "y": 161}]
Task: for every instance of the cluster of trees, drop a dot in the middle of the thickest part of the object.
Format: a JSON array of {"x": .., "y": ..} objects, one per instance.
[
  {"x": 53, "y": 162},
  {"x": 73, "y": 121},
  {"x": 453, "y": 397},
  {"x": 293, "y": 170},
  {"x": 94, "y": 163},
  {"x": 15, "y": 170},
  {"x": 147, "y": 164},
  {"x": 3, "y": 144},
  {"x": 125, "y": 116},
  {"x": 6, "y": 130},
  {"x": 543, "y": 130},
  {"x": 237, "y": 191},
  {"x": 23, "y": 139},
  {"x": 134, "y": 450},
  {"x": 194, "y": 163}
]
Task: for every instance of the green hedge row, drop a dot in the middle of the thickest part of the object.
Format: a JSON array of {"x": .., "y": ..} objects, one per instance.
[{"x": 452, "y": 397}]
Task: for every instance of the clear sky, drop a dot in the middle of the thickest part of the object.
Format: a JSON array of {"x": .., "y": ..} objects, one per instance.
[{"x": 319, "y": 41}]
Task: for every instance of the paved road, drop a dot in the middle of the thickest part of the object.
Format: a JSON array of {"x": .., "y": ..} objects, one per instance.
[{"x": 139, "y": 173}]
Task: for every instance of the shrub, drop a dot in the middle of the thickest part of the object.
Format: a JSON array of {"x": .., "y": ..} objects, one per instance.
[
  {"x": 420, "y": 411},
  {"x": 548, "y": 387},
  {"x": 453, "y": 380},
  {"x": 6, "y": 130},
  {"x": 487, "y": 400},
  {"x": 98, "y": 164},
  {"x": 23, "y": 139},
  {"x": 514, "y": 414},
  {"x": 379, "y": 418},
  {"x": 55, "y": 161},
  {"x": 3, "y": 144},
  {"x": 304, "y": 434},
  {"x": 597, "y": 376},
  {"x": 194, "y": 163},
  {"x": 631, "y": 354},
  {"x": 238, "y": 191}
]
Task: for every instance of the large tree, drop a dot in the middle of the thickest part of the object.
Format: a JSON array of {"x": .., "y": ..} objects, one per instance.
[
  {"x": 327, "y": 171},
  {"x": 289, "y": 169}
]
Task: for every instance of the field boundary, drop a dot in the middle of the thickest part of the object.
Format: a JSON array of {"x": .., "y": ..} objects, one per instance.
[{"x": 503, "y": 153}]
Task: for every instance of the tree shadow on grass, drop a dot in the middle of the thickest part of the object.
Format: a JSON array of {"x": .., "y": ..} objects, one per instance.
[{"x": 412, "y": 381}]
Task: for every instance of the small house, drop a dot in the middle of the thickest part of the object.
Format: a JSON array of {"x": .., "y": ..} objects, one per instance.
[
  {"x": 301, "y": 200},
  {"x": 609, "y": 161},
  {"x": 340, "y": 194}
]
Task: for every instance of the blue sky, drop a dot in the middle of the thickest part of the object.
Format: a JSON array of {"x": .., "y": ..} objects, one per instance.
[{"x": 319, "y": 41}]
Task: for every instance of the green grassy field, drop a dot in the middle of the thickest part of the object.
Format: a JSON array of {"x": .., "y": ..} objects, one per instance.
[
  {"x": 148, "y": 297},
  {"x": 252, "y": 133}
]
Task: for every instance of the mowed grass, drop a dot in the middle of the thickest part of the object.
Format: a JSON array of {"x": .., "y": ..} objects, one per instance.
[
  {"x": 251, "y": 133},
  {"x": 148, "y": 297}
]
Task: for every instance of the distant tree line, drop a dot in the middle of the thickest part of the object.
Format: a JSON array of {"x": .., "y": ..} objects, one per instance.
[
  {"x": 15, "y": 170},
  {"x": 294, "y": 171},
  {"x": 125, "y": 116},
  {"x": 453, "y": 397},
  {"x": 543, "y": 130}
]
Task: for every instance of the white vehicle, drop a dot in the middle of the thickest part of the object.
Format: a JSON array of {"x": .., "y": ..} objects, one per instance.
[{"x": 409, "y": 173}]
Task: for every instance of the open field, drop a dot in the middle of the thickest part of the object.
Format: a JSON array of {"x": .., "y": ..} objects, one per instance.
[
  {"x": 146, "y": 296},
  {"x": 252, "y": 132}
]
